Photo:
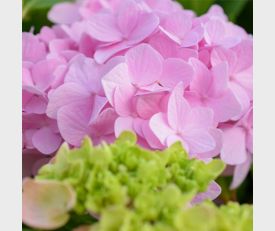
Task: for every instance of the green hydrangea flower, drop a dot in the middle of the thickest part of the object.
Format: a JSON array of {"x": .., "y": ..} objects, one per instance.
[{"x": 131, "y": 189}]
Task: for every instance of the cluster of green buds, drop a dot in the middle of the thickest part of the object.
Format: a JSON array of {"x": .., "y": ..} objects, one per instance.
[{"x": 124, "y": 187}]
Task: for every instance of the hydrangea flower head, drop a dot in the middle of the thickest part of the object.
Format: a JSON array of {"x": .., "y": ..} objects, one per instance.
[{"x": 148, "y": 66}]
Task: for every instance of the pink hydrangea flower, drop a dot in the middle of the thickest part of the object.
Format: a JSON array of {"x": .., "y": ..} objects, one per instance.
[{"x": 148, "y": 66}]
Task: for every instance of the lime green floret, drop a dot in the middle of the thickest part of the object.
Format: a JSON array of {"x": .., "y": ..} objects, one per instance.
[
  {"x": 130, "y": 188},
  {"x": 125, "y": 174}
]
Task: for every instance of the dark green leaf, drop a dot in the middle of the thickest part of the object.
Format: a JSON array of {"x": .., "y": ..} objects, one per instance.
[
  {"x": 199, "y": 6},
  {"x": 232, "y": 8}
]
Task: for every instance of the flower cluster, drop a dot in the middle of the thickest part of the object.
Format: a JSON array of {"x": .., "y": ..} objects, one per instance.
[
  {"x": 125, "y": 187},
  {"x": 148, "y": 66}
]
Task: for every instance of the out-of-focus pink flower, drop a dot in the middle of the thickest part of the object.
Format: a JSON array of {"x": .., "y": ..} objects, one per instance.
[{"x": 40, "y": 212}]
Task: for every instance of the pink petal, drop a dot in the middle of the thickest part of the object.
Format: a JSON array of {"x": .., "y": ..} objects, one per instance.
[
  {"x": 87, "y": 45},
  {"x": 194, "y": 99},
  {"x": 102, "y": 54},
  {"x": 171, "y": 36},
  {"x": 169, "y": 49},
  {"x": 138, "y": 125},
  {"x": 103, "y": 28},
  {"x": 65, "y": 94},
  {"x": 147, "y": 23},
  {"x": 36, "y": 104},
  {"x": 245, "y": 80},
  {"x": 118, "y": 76},
  {"x": 123, "y": 100},
  {"x": 249, "y": 141},
  {"x": 26, "y": 77},
  {"x": 127, "y": 17},
  {"x": 27, "y": 138},
  {"x": 244, "y": 52},
  {"x": 159, "y": 125},
  {"x": 234, "y": 149},
  {"x": 108, "y": 66},
  {"x": 240, "y": 173},
  {"x": 220, "y": 79},
  {"x": 145, "y": 64},
  {"x": 220, "y": 54},
  {"x": 64, "y": 13},
  {"x": 242, "y": 97},
  {"x": 59, "y": 75},
  {"x": 150, "y": 137},
  {"x": 179, "y": 25},
  {"x": 103, "y": 126},
  {"x": 212, "y": 192},
  {"x": 178, "y": 109},
  {"x": 45, "y": 141},
  {"x": 149, "y": 104},
  {"x": 42, "y": 73},
  {"x": 199, "y": 117},
  {"x": 59, "y": 45},
  {"x": 199, "y": 141},
  {"x": 46, "y": 34},
  {"x": 123, "y": 124},
  {"x": 175, "y": 138},
  {"x": 202, "y": 79},
  {"x": 73, "y": 121},
  {"x": 217, "y": 135},
  {"x": 225, "y": 107},
  {"x": 214, "y": 31},
  {"x": 98, "y": 104},
  {"x": 86, "y": 72},
  {"x": 32, "y": 49},
  {"x": 174, "y": 71},
  {"x": 193, "y": 37}
]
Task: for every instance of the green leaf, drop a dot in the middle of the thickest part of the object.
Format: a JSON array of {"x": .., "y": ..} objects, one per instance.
[
  {"x": 199, "y": 6},
  {"x": 232, "y": 8},
  {"x": 38, "y": 5}
]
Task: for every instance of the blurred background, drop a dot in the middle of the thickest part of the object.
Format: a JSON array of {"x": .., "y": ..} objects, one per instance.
[{"x": 239, "y": 11}]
